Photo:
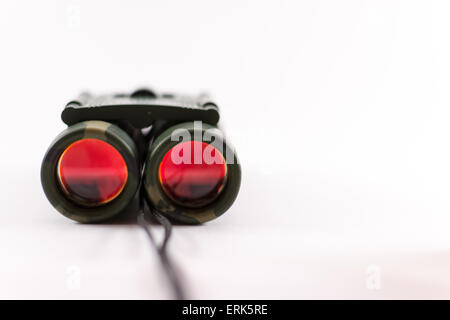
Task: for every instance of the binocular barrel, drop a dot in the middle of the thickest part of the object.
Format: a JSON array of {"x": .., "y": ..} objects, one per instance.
[
  {"x": 93, "y": 169},
  {"x": 191, "y": 174}
]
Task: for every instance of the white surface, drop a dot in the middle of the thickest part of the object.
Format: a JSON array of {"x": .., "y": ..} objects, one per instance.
[{"x": 339, "y": 111}]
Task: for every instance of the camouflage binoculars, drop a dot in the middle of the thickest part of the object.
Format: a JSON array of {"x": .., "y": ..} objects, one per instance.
[{"x": 114, "y": 144}]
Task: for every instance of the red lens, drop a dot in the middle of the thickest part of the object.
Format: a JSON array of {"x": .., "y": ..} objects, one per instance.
[
  {"x": 92, "y": 172},
  {"x": 196, "y": 181}
]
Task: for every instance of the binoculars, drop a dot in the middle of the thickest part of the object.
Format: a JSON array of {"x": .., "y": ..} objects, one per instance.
[{"x": 164, "y": 147}]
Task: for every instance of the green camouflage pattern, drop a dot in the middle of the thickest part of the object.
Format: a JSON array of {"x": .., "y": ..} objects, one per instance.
[
  {"x": 164, "y": 205},
  {"x": 101, "y": 130}
]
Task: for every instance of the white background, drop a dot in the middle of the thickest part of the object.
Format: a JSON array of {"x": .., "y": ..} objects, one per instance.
[{"x": 339, "y": 111}]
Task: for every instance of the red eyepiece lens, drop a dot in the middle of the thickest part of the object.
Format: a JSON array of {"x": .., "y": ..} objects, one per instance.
[
  {"x": 193, "y": 173},
  {"x": 92, "y": 172}
]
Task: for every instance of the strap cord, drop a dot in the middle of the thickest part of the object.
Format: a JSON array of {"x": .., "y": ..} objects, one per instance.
[{"x": 161, "y": 249}]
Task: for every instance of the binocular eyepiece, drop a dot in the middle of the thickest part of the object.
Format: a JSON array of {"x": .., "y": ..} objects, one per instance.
[{"x": 167, "y": 144}]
